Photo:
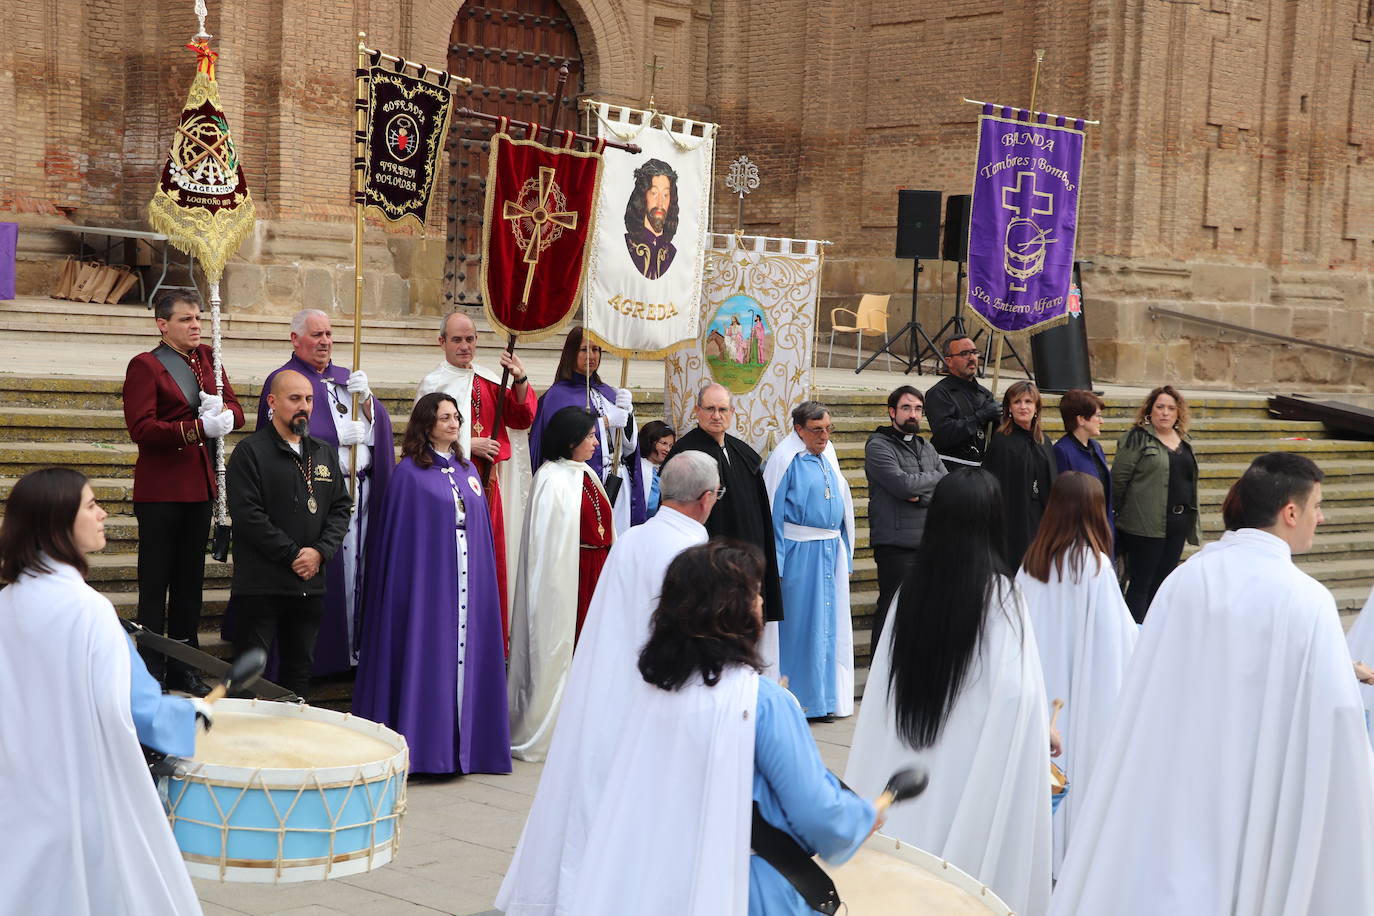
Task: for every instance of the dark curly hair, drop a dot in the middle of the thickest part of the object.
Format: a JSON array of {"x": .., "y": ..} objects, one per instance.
[
  {"x": 705, "y": 619},
  {"x": 415, "y": 443},
  {"x": 635, "y": 210}
]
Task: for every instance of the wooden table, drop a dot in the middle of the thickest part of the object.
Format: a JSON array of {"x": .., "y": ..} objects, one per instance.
[{"x": 111, "y": 235}]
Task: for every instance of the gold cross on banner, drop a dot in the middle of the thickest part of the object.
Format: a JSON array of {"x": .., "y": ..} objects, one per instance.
[{"x": 543, "y": 217}]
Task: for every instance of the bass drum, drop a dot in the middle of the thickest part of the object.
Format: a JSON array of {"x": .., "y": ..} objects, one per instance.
[{"x": 887, "y": 877}]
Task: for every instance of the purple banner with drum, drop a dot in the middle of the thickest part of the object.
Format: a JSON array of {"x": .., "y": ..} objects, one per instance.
[{"x": 1024, "y": 218}]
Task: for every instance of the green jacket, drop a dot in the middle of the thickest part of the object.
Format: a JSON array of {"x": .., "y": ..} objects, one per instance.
[{"x": 1140, "y": 485}]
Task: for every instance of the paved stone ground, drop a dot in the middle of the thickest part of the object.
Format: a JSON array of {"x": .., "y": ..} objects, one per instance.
[{"x": 456, "y": 842}]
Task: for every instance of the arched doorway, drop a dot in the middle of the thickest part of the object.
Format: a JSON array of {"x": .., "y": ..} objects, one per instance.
[{"x": 511, "y": 50}]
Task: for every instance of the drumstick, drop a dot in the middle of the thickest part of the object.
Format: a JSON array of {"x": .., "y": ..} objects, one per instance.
[
  {"x": 1058, "y": 705},
  {"x": 243, "y": 673},
  {"x": 904, "y": 784}
]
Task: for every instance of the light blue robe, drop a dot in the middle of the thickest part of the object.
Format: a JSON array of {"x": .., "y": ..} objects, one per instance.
[
  {"x": 795, "y": 792},
  {"x": 806, "y": 635},
  {"x": 164, "y": 723}
]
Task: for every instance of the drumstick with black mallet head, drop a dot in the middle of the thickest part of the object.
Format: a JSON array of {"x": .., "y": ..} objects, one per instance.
[
  {"x": 242, "y": 674},
  {"x": 904, "y": 785}
]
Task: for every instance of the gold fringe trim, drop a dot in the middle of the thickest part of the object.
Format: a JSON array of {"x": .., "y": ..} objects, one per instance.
[
  {"x": 211, "y": 237},
  {"x": 663, "y": 353},
  {"x": 1022, "y": 334}
]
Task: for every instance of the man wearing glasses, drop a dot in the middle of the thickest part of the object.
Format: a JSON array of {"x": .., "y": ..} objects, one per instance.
[
  {"x": 902, "y": 470},
  {"x": 959, "y": 409},
  {"x": 813, "y": 526},
  {"x": 743, "y": 509}
]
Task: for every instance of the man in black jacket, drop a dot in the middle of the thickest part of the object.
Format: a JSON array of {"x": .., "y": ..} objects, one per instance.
[
  {"x": 902, "y": 471},
  {"x": 290, "y": 506},
  {"x": 959, "y": 409}
]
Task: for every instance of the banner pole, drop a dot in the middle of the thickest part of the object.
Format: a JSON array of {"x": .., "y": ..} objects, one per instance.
[
  {"x": 360, "y": 126},
  {"x": 1035, "y": 78},
  {"x": 620, "y": 433}
]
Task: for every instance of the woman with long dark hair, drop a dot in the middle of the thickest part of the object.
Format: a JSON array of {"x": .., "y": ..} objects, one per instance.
[
  {"x": 1154, "y": 490},
  {"x": 578, "y": 384},
  {"x": 568, "y": 533},
  {"x": 87, "y": 831},
  {"x": 703, "y": 736},
  {"x": 956, "y": 686},
  {"x": 1083, "y": 630},
  {"x": 656, "y": 440},
  {"x": 1022, "y": 460},
  {"x": 432, "y": 660}
]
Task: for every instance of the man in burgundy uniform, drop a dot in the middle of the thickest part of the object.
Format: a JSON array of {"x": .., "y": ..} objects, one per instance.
[
  {"x": 476, "y": 388},
  {"x": 177, "y": 421}
]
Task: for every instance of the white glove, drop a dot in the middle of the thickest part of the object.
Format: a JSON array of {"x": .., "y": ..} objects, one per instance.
[
  {"x": 210, "y": 403},
  {"x": 357, "y": 384},
  {"x": 622, "y": 399},
  {"x": 615, "y": 417},
  {"x": 351, "y": 432},
  {"x": 204, "y": 711},
  {"x": 217, "y": 424}
]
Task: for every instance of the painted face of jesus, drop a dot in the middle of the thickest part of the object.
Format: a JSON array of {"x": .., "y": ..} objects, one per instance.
[{"x": 657, "y": 199}]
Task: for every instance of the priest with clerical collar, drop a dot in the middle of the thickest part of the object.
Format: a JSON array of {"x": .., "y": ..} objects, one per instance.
[
  {"x": 312, "y": 340},
  {"x": 1241, "y": 776},
  {"x": 501, "y": 453},
  {"x": 744, "y": 510}
]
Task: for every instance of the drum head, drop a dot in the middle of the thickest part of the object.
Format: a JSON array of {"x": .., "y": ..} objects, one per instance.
[{"x": 887, "y": 877}]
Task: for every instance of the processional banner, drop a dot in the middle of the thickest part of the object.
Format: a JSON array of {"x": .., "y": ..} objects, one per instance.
[
  {"x": 644, "y": 277},
  {"x": 201, "y": 202},
  {"x": 538, "y": 220},
  {"x": 1024, "y": 218},
  {"x": 407, "y": 121},
  {"x": 757, "y": 336}
]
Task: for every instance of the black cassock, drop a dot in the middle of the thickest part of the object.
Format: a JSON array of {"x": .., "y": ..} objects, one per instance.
[{"x": 743, "y": 512}]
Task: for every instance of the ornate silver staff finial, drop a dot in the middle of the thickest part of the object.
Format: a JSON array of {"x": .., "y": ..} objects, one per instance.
[{"x": 743, "y": 178}]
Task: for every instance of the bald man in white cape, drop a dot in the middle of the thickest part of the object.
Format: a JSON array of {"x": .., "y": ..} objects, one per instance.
[
  {"x": 543, "y": 874},
  {"x": 1237, "y": 777}
]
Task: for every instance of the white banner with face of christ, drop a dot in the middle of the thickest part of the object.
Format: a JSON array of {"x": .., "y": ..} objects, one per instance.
[
  {"x": 758, "y": 328},
  {"x": 644, "y": 272}
]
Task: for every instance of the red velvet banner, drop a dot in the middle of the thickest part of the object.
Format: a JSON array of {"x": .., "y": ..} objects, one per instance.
[{"x": 539, "y": 209}]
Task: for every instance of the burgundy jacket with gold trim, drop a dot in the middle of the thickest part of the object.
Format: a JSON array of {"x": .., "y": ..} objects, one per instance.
[{"x": 174, "y": 463}]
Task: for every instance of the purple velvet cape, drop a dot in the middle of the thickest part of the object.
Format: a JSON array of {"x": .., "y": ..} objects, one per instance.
[
  {"x": 408, "y": 663},
  {"x": 331, "y": 645},
  {"x": 574, "y": 394}
]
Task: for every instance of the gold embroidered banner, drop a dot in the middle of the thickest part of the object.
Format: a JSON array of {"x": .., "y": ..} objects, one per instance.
[
  {"x": 407, "y": 124},
  {"x": 202, "y": 203},
  {"x": 758, "y": 326}
]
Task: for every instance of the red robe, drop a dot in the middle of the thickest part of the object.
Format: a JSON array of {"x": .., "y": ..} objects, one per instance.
[
  {"x": 596, "y": 531},
  {"x": 517, "y": 414}
]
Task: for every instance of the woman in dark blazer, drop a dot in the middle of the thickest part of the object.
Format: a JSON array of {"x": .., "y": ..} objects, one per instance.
[
  {"x": 1023, "y": 463},
  {"x": 1078, "y": 449}
]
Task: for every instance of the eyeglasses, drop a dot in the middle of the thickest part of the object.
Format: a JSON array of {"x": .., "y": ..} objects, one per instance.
[
  {"x": 965, "y": 354},
  {"x": 719, "y": 491},
  {"x": 817, "y": 430},
  {"x": 715, "y": 411}
]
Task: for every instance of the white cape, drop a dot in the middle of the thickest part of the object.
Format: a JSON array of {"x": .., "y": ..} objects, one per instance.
[
  {"x": 596, "y": 703},
  {"x": 672, "y": 837},
  {"x": 987, "y": 809},
  {"x": 543, "y": 620},
  {"x": 1361, "y": 641},
  {"x": 774, "y": 470},
  {"x": 1085, "y": 635},
  {"x": 1241, "y": 780},
  {"x": 84, "y": 829},
  {"x": 513, "y": 473}
]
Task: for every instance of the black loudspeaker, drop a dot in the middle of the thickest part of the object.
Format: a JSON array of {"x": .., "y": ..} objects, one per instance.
[
  {"x": 918, "y": 224},
  {"x": 957, "y": 207}
]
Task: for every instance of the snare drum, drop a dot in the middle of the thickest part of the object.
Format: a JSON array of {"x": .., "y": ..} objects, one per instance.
[
  {"x": 282, "y": 792},
  {"x": 887, "y": 877},
  {"x": 1059, "y": 786}
]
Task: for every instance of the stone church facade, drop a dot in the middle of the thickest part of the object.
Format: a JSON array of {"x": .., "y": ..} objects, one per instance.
[{"x": 1231, "y": 177}]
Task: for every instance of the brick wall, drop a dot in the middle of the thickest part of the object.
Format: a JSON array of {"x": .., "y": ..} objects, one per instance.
[{"x": 1232, "y": 174}]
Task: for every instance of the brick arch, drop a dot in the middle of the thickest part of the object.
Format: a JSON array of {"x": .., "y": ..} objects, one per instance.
[{"x": 609, "y": 52}]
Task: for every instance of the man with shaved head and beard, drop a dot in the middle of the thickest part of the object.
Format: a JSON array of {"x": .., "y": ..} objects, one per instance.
[
  {"x": 743, "y": 510},
  {"x": 290, "y": 505},
  {"x": 369, "y": 437}
]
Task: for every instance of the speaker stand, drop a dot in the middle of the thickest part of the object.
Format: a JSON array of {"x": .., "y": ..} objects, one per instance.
[{"x": 912, "y": 327}]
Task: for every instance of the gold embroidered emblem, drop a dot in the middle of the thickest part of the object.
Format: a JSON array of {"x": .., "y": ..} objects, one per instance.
[
  {"x": 322, "y": 472},
  {"x": 538, "y": 219},
  {"x": 189, "y": 433}
]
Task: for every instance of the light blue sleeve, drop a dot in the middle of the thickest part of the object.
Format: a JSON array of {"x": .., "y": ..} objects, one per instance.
[
  {"x": 164, "y": 723},
  {"x": 779, "y": 508},
  {"x": 794, "y": 790}
]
